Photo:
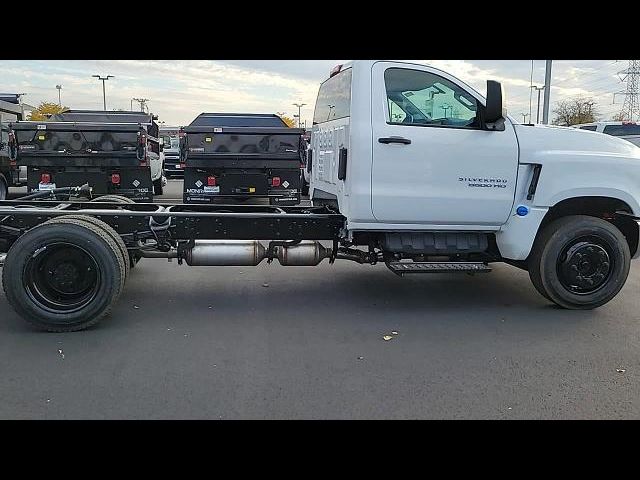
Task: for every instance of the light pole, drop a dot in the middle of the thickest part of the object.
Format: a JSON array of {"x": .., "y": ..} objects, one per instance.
[
  {"x": 539, "y": 89},
  {"x": 531, "y": 89},
  {"x": 59, "y": 87},
  {"x": 524, "y": 117},
  {"x": 104, "y": 95},
  {"x": 547, "y": 92},
  {"x": 299, "y": 105}
]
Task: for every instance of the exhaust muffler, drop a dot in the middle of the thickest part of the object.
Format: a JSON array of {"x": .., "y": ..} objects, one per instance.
[
  {"x": 229, "y": 253},
  {"x": 304, "y": 254},
  {"x": 241, "y": 253}
]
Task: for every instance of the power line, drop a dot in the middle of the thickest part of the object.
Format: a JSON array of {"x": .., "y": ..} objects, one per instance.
[{"x": 631, "y": 106}]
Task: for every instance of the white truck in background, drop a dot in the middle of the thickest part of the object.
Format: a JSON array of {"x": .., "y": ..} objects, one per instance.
[
  {"x": 409, "y": 167},
  {"x": 629, "y": 131}
]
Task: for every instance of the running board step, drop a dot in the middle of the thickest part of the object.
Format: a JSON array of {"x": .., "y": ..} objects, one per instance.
[{"x": 402, "y": 268}]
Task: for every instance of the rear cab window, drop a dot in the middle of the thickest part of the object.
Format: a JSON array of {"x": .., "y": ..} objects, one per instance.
[
  {"x": 334, "y": 98},
  {"x": 591, "y": 128}
]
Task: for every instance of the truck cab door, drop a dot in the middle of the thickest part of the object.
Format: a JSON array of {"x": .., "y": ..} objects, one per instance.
[{"x": 433, "y": 164}]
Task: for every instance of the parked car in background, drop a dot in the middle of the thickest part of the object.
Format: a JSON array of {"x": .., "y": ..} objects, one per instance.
[
  {"x": 629, "y": 131},
  {"x": 171, "y": 146},
  {"x": 304, "y": 166}
]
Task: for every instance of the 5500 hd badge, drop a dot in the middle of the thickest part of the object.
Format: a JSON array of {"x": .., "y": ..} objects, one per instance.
[{"x": 484, "y": 182}]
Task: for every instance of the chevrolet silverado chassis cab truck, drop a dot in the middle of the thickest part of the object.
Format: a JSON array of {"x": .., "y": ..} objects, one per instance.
[{"x": 409, "y": 167}]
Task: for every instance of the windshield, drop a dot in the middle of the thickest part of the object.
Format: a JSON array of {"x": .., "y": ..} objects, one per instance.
[{"x": 170, "y": 142}]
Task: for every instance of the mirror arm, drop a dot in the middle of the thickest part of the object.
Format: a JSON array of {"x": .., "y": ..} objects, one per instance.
[{"x": 497, "y": 126}]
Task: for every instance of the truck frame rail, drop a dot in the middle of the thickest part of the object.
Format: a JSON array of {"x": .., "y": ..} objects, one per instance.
[{"x": 183, "y": 222}]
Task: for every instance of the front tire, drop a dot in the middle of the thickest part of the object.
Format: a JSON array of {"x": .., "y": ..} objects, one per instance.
[{"x": 579, "y": 262}]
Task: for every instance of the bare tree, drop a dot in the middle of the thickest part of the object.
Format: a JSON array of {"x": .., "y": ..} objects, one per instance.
[
  {"x": 574, "y": 111},
  {"x": 620, "y": 117}
]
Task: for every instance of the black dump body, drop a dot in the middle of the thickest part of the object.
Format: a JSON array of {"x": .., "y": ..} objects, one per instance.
[
  {"x": 95, "y": 147},
  {"x": 242, "y": 156}
]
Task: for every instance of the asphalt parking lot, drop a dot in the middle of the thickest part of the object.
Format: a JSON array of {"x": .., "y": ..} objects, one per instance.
[{"x": 300, "y": 342}]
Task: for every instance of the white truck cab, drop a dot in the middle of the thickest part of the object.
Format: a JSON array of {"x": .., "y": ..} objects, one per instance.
[{"x": 424, "y": 166}]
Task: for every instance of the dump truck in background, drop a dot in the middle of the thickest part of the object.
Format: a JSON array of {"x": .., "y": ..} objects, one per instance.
[
  {"x": 10, "y": 174},
  {"x": 116, "y": 153},
  {"x": 242, "y": 156}
]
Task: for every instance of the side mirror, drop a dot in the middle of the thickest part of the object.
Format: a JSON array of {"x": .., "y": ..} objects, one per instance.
[{"x": 495, "y": 111}]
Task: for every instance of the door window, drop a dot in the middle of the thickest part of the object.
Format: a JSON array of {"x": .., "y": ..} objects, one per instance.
[{"x": 421, "y": 98}]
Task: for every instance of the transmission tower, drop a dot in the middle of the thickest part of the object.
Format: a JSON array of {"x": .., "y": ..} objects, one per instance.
[
  {"x": 143, "y": 104},
  {"x": 631, "y": 106}
]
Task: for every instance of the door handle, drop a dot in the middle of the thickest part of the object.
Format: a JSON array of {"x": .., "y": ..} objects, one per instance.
[{"x": 388, "y": 140}]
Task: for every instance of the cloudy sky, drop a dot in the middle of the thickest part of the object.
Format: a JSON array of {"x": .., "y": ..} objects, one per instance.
[{"x": 180, "y": 90}]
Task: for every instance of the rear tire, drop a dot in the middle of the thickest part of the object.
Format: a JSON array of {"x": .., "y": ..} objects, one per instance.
[
  {"x": 63, "y": 276},
  {"x": 579, "y": 262},
  {"x": 134, "y": 258}
]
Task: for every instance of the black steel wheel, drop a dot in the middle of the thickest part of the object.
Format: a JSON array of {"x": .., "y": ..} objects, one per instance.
[
  {"x": 61, "y": 277},
  {"x": 585, "y": 264},
  {"x": 122, "y": 248},
  {"x": 579, "y": 262}
]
